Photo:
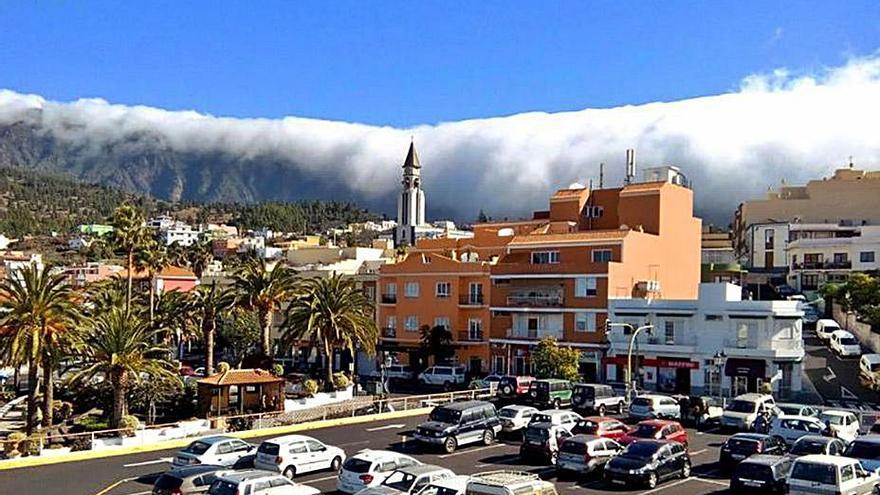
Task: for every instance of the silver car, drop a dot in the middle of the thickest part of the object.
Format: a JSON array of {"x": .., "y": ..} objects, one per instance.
[{"x": 584, "y": 454}]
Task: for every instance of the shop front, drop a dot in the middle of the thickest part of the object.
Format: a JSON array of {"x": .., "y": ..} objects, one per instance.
[
  {"x": 746, "y": 375},
  {"x": 662, "y": 374}
]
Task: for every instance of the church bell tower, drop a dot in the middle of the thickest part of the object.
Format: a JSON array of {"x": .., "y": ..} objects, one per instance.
[{"x": 411, "y": 203}]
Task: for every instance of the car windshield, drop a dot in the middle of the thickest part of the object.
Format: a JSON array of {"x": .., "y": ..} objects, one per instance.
[
  {"x": 508, "y": 413},
  {"x": 646, "y": 431},
  {"x": 400, "y": 481},
  {"x": 742, "y": 406},
  {"x": 825, "y": 474},
  {"x": 863, "y": 450},
  {"x": 355, "y": 465},
  {"x": 197, "y": 448},
  {"x": 641, "y": 450},
  {"x": 223, "y": 487},
  {"x": 443, "y": 415},
  {"x": 537, "y": 434},
  {"x": 168, "y": 482},
  {"x": 848, "y": 341},
  {"x": 832, "y": 419},
  {"x": 875, "y": 367},
  {"x": 808, "y": 446},
  {"x": 742, "y": 444},
  {"x": 578, "y": 448},
  {"x": 268, "y": 448},
  {"x": 748, "y": 470}
]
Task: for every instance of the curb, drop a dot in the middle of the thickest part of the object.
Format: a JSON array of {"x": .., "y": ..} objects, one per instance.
[{"x": 34, "y": 461}]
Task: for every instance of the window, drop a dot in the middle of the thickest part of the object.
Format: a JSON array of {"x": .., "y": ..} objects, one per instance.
[
  {"x": 412, "y": 289},
  {"x": 391, "y": 322},
  {"x": 601, "y": 255},
  {"x": 585, "y": 322},
  {"x": 841, "y": 258},
  {"x": 545, "y": 257},
  {"x": 743, "y": 332},
  {"x": 769, "y": 235},
  {"x": 669, "y": 332},
  {"x": 298, "y": 448},
  {"x": 442, "y": 321},
  {"x": 475, "y": 329},
  {"x": 412, "y": 323},
  {"x": 391, "y": 289},
  {"x": 498, "y": 365},
  {"x": 585, "y": 287},
  {"x": 370, "y": 292},
  {"x": 315, "y": 446},
  {"x": 443, "y": 289},
  {"x": 846, "y": 473},
  {"x": 810, "y": 281},
  {"x": 866, "y": 256}
]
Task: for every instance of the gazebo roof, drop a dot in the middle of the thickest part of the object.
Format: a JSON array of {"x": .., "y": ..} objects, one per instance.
[{"x": 241, "y": 377}]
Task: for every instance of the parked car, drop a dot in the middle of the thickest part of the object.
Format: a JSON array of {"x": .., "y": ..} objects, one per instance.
[
  {"x": 297, "y": 454},
  {"x": 656, "y": 429},
  {"x": 820, "y": 474},
  {"x": 814, "y": 444},
  {"x": 509, "y": 483},
  {"x": 584, "y": 454},
  {"x": 765, "y": 474},
  {"x": 486, "y": 382},
  {"x": 596, "y": 398},
  {"x": 515, "y": 418},
  {"x": 844, "y": 424},
  {"x": 186, "y": 480},
  {"x": 257, "y": 482},
  {"x": 217, "y": 449},
  {"x": 408, "y": 480},
  {"x": 798, "y": 410},
  {"x": 445, "y": 376},
  {"x": 744, "y": 409},
  {"x": 550, "y": 393},
  {"x": 701, "y": 411},
  {"x": 654, "y": 407},
  {"x": 600, "y": 426},
  {"x": 460, "y": 423},
  {"x": 811, "y": 314},
  {"x": 369, "y": 468},
  {"x": 825, "y": 327},
  {"x": 790, "y": 428},
  {"x": 647, "y": 463},
  {"x": 511, "y": 387},
  {"x": 455, "y": 485},
  {"x": 556, "y": 417},
  {"x": 742, "y": 445},
  {"x": 845, "y": 344},
  {"x": 399, "y": 372},
  {"x": 542, "y": 440},
  {"x": 869, "y": 370},
  {"x": 867, "y": 450}
]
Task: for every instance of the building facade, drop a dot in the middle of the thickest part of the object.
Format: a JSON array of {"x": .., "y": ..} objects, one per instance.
[
  {"x": 760, "y": 341},
  {"x": 823, "y": 253}
]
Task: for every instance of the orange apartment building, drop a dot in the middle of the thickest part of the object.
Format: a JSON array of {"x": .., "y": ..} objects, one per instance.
[{"x": 515, "y": 283}]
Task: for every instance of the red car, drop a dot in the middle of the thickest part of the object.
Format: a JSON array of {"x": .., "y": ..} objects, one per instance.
[
  {"x": 514, "y": 386},
  {"x": 601, "y": 426},
  {"x": 656, "y": 429}
]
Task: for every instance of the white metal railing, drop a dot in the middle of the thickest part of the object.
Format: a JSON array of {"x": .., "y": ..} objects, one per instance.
[{"x": 539, "y": 333}]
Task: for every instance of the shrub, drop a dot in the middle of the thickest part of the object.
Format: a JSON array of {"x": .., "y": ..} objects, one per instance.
[
  {"x": 340, "y": 381},
  {"x": 13, "y": 442},
  {"x": 222, "y": 367},
  {"x": 129, "y": 424},
  {"x": 92, "y": 423},
  {"x": 310, "y": 387},
  {"x": 80, "y": 442},
  {"x": 31, "y": 445},
  {"x": 277, "y": 369},
  {"x": 61, "y": 411}
]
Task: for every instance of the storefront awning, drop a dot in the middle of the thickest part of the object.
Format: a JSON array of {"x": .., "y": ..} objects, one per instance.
[
  {"x": 752, "y": 368},
  {"x": 653, "y": 362}
]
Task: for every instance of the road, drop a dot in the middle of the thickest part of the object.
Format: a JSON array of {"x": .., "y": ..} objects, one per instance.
[
  {"x": 836, "y": 379},
  {"x": 90, "y": 477}
]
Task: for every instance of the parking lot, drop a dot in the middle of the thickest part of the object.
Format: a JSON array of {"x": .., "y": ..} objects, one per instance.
[{"x": 140, "y": 470}]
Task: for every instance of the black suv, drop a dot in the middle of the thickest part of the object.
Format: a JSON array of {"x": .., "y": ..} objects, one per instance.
[
  {"x": 648, "y": 462},
  {"x": 460, "y": 423},
  {"x": 743, "y": 445},
  {"x": 761, "y": 474}
]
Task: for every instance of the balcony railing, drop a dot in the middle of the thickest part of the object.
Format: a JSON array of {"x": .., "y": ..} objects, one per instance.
[
  {"x": 470, "y": 336},
  {"x": 471, "y": 300},
  {"x": 533, "y": 334},
  {"x": 389, "y": 332},
  {"x": 389, "y": 298},
  {"x": 823, "y": 265},
  {"x": 540, "y": 301}
]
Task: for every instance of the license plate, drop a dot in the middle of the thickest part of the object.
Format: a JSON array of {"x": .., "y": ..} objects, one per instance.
[
  {"x": 737, "y": 457},
  {"x": 534, "y": 442},
  {"x": 618, "y": 482},
  {"x": 753, "y": 483}
]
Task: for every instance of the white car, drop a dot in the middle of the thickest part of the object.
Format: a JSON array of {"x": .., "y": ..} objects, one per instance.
[
  {"x": 515, "y": 418},
  {"x": 844, "y": 425},
  {"x": 296, "y": 454},
  {"x": 369, "y": 468},
  {"x": 791, "y": 428},
  {"x": 869, "y": 369},
  {"x": 557, "y": 417},
  {"x": 844, "y": 344},
  {"x": 455, "y": 485},
  {"x": 829, "y": 474},
  {"x": 447, "y": 376},
  {"x": 650, "y": 406},
  {"x": 408, "y": 480},
  {"x": 825, "y": 327},
  {"x": 257, "y": 482},
  {"x": 744, "y": 409},
  {"x": 218, "y": 450}
]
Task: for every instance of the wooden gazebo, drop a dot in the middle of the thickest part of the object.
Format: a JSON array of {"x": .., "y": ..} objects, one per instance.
[{"x": 240, "y": 392}]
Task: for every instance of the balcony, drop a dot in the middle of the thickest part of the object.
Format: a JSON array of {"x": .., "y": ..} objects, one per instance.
[
  {"x": 823, "y": 265},
  {"x": 536, "y": 301},
  {"x": 389, "y": 332},
  {"x": 471, "y": 300},
  {"x": 533, "y": 333},
  {"x": 470, "y": 336},
  {"x": 389, "y": 298}
]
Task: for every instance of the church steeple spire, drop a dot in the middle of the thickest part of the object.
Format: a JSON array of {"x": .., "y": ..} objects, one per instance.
[
  {"x": 412, "y": 157},
  {"x": 411, "y": 203}
]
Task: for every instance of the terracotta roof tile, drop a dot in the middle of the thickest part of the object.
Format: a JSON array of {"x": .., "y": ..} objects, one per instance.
[{"x": 241, "y": 377}]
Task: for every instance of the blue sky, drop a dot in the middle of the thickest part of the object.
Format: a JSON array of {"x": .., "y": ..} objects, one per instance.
[{"x": 406, "y": 63}]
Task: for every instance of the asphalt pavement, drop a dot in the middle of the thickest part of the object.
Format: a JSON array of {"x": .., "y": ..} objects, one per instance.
[
  {"x": 836, "y": 379},
  {"x": 140, "y": 470}
]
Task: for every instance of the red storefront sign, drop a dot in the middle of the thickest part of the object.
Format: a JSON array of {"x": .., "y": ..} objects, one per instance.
[{"x": 654, "y": 363}]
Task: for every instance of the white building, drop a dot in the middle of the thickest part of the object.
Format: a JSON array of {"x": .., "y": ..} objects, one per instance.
[
  {"x": 761, "y": 341},
  {"x": 162, "y": 222},
  {"x": 180, "y": 234},
  {"x": 14, "y": 262},
  {"x": 822, "y": 253},
  {"x": 5, "y": 242}
]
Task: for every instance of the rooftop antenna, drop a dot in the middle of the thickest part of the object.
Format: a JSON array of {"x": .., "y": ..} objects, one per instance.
[
  {"x": 630, "y": 166},
  {"x": 601, "y": 175}
]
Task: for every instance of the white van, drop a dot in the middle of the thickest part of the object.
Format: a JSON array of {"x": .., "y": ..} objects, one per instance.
[
  {"x": 743, "y": 410},
  {"x": 869, "y": 369},
  {"x": 509, "y": 483},
  {"x": 829, "y": 474},
  {"x": 825, "y": 327},
  {"x": 447, "y": 376},
  {"x": 844, "y": 344}
]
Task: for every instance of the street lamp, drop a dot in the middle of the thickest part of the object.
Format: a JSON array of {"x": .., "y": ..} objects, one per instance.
[
  {"x": 632, "y": 339},
  {"x": 388, "y": 361},
  {"x": 718, "y": 360}
]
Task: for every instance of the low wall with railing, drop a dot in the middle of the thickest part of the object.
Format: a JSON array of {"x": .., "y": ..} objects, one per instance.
[{"x": 862, "y": 331}]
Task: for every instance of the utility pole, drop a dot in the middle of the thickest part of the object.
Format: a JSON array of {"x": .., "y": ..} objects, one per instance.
[{"x": 632, "y": 340}]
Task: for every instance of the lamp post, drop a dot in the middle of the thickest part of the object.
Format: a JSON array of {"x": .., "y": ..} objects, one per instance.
[
  {"x": 386, "y": 362},
  {"x": 718, "y": 360},
  {"x": 632, "y": 339}
]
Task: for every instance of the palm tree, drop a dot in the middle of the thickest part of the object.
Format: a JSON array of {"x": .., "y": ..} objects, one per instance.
[
  {"x": 118, "y": 347},
  {"x": 333, "y": 313},
  {"x": 152, "y": 257},
  {"x": 38, "y": 315},
  {"x": 175, "y": 319},
  {"x": 207, "y": 303},
  {"x": 129, "y": 235},
  {"x": 198, "y": 256},
  {"x": 264, "y": 290}
]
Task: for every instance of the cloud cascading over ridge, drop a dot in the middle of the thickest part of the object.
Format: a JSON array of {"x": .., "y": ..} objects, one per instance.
[{"x": 731, "y": 145}]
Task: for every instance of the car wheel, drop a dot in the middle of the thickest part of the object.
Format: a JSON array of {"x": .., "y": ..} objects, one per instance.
[
  {"x": 686, "y": 470},
  {"x": 450, "y": 444},
  {"x": 488, "y": 437},
  {"x": 507, "y": 390},
  {"x": 447, "y": 386},
  {"x": 289, "y": 472},
  {"x": 556, "y": 404},
  {"x": 336, "y": 463},
  {"x": 652, "y": 480},
  {"x": 601, "y": 410}
]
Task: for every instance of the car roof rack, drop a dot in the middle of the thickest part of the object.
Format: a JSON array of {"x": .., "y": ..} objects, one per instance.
[{"x": 504, "y": 477}]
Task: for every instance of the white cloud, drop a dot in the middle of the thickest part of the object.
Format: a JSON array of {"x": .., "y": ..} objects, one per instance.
[{"x": 732, "y": 145}]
